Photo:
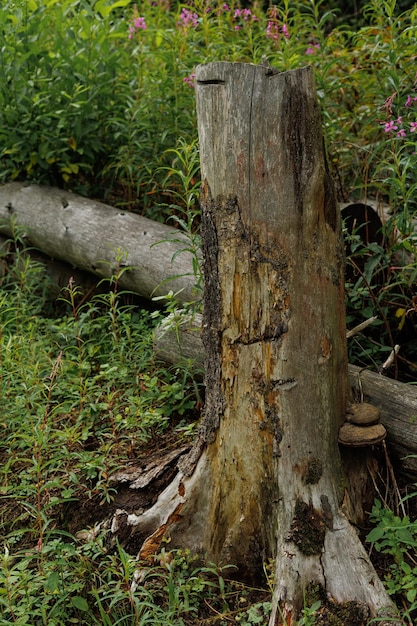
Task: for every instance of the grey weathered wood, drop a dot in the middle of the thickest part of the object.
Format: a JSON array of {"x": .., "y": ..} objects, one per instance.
[
  {"x": 398, "y": 405},
  {"x": 180, "y": 338},
  {"x": 90, "y": 235}
]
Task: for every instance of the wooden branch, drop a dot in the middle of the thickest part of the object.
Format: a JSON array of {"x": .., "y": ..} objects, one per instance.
[{"x": 90, "y": 235}]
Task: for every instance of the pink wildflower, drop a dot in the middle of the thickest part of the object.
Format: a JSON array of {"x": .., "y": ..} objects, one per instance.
[
  {"x": 401, "y": 133},
  {"x": 226, "y": 7},
  {"x": 188, "y": 19},
  {"x": 137, "y": 24},
  {"x": 410, "y": 100},
  {"x": 312, "y": 49},
  {"x": 189, "y": 80},
  {"x": 272, "y": 30},
  {"x": 413, "y": 127},
  {"x": 245, "y": 14},
  {"x": 389, "y": 126}
]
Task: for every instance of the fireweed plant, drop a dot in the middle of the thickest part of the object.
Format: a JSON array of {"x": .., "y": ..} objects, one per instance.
[{"x": 98, "y": 97}]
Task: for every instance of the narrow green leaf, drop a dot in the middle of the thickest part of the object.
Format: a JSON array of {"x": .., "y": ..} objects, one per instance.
[{"x": 79, "y": 603}]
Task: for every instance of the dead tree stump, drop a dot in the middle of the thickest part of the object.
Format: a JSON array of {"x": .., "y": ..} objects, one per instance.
[{"x": 274, "y": 338}]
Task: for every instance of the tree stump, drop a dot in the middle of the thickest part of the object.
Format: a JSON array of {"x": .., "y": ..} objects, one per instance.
[
  {"x": 274, "y": 338},
  {"x": 264, "y": 482}
]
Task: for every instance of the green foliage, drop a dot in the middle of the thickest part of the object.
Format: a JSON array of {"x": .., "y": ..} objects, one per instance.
[
  {"x": 78, "y": 398},
  {"x": 397, "y": 537},
  {"x": 105, "y": 96},
  {"x": 98, "y": 96},
  {"x": 81, "y": 395}
]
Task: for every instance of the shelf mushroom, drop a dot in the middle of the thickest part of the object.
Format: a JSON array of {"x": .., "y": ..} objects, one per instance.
[{"x": 362, "y": 427}]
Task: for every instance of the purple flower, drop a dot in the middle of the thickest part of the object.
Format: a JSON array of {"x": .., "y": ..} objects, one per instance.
[
  {"x": 245, "y": 14},
  {"x": 137, "y": 23},
  {"x": 285, "y": 31},
  {"x": 189, "y": 80},
  {"x": 390, "y": 126},
  {"x": 312, "y": 49},
  {"x": 272, "y": 30},
  {"x": 226, "y": 7},
  {"x": 413, "y": 127},
  {"x": 410, "y": 100},
  {"x": 401, "y": 133},
  {"x": 188, "y": 19}
]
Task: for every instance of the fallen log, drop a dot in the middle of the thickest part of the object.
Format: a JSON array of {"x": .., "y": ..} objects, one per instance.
[
  {"x": 179, "y": 338},
  {"x": 100, "y": 239}
]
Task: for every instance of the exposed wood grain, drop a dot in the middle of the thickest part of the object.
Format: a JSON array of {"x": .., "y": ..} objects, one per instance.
[{"x": 274, "y": 337}]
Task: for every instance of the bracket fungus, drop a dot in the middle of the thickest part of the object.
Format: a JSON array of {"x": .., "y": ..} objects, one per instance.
[{"x": 362, "y": 427}]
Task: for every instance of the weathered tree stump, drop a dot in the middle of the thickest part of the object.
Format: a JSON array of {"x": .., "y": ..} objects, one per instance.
[
  {"x": 264, "y": 480},
  {"x": 270, "y": 479},
  {"x": 179, "y": 338}
]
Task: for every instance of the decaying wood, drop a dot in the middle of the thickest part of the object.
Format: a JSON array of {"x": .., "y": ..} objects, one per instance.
[
  {"x": 91, "y": 235},
  {"x": 398, "y": 405},
  {"x": 59, "y": 272},
  {"x": 266, "y": 482}
]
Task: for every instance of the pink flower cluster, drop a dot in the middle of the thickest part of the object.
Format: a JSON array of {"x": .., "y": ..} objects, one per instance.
[
  {"x": 274, "y": 30},
  {"x": 277, "y": 25},
  {"x": 396, "y": 126},
  {"x": 138, "y": 23},
  {"x": 312, "y": 48},
  {"x": 188, "y": 19},
  {"x": 410, "y": 100},
  {"x": 189, "y": 80},
  {"x": 245, "y": 15}
]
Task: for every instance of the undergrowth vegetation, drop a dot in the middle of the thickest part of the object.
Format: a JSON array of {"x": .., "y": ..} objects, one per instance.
[{"x": 98, "y": 97}]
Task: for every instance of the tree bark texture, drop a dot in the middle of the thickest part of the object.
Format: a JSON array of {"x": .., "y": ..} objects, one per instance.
[
  {"x": 91, "y": 235},
  {"x": 274, "y": 339}
]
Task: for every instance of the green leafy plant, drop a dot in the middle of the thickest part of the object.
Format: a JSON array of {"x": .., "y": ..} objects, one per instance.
[{"x": 397, "y": 537}]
